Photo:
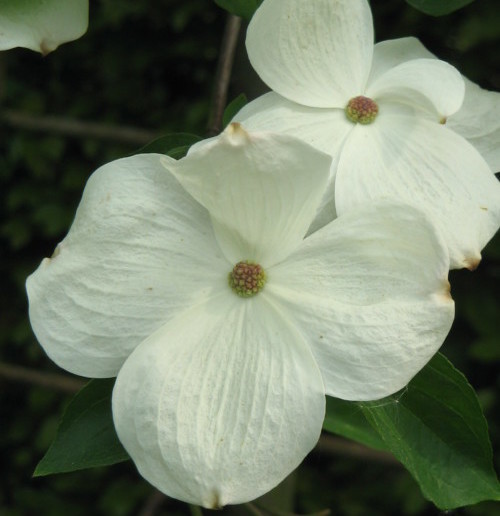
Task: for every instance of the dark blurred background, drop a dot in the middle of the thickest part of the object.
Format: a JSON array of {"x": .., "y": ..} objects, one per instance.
[{"x": 150, "y": 65}]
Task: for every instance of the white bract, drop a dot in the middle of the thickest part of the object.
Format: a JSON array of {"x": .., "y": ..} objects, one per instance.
[
  {"x": 220, "y": 396},
  {"x": 477, "y": 120},
  {"x": 41, "y": 25},
  {"x": 319, "y": 55}
]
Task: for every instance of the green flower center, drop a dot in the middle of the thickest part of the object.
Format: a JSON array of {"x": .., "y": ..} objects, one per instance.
[
  {"x": 247, "y": 279},
  {"x": 361, "y": 110}
]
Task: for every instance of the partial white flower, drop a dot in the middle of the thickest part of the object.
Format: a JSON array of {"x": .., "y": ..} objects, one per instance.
[
  {"x": 225, "y": 326},
  {"x": 41, "y": 25},
  {"x": 380, "y": 113},
  {"x": 477, "y": 120}
]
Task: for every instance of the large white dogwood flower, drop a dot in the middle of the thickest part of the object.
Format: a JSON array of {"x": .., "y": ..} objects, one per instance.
[
  {"x": 195, "y": 285},
  {"x": 41, "y": 25},
  {"x": 381, "y": 117}
]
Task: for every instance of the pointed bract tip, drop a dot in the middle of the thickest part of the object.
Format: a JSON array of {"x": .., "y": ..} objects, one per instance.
[
  {"x": 236, "y": 134},
  {"x": 215, "y": 502},
  {"x": 472, "y": 263},
  {"x": 46, "y": 48}
]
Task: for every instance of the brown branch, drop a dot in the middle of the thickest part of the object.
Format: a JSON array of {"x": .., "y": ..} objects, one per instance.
[
  {"x": 223, "y": 73},
  {"x": 55, "y": 381},
  {"x": 331, "y": 445},
  {"x": 153, "y": 502},
  {"x": 76, "y": 128},
  {"x": 3, "y": 77}
]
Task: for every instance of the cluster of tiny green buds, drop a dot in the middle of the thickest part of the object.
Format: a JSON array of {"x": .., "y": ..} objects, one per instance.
[
  {"x": 247, "y": 278},
  {"x": 361, "y": 110}
]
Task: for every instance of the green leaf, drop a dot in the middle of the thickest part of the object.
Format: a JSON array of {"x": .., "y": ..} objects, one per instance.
[
  {"x": 346, "y": 418},
  {"x": 86, "y": 436},
  {"x": 436, "y": 428},
  {"x": 438, "y": 7},
  {"x": 175, "y": 145},
  {"x": 233, "y": 107},
  {"x": 243, "y": 8}
]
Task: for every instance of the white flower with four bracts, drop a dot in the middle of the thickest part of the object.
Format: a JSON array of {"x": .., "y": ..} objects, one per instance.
[
  {"x": 381, "y": 117},
  {"x": 221, "y": 378},
  {"x": 41, "y": 25}
]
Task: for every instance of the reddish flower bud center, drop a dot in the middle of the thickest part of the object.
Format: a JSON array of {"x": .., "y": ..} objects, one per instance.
[
  {"x": 247, "y": 278},
  {"x": 361, "y": 110}
]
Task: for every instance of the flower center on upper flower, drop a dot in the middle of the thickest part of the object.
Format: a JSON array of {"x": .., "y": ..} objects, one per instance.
[
  {"x": 247, "y": 278},
  {"x": 361, "y": 110}
]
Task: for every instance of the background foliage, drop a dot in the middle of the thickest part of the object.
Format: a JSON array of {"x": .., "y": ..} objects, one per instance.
[{"x": 150, "y": 64}]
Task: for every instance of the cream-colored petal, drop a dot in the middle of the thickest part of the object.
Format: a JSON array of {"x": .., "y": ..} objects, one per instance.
[
  {"x": 262, "y": 190},
  {"x": 325, "y": 129},
  {"x": 413, "y": 160},
  {"x": 316, "y": 53},
  {"x": 393, "y": 52},
  {"x": 371, "y": 295},
  {"x": 427, "y": 84},
  {"x": 41, "y": 25},
  {"x": 221, "y": 404},
  {"x": 140, "y": 251},
  {"x": 478, "y": 119}
]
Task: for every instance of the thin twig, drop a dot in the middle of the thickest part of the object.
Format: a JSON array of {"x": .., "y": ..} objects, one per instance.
[
  {"x": 195, "y": 510},
  {"x": 252, "y": 509},
  {"x": 54, "y": 381},
  {"x": 152, "y": 504},
  {"x": 331, "y": 445},
  {"x": 273, "y": 512},
  {"x": 223, "y": 73},
  {"x": 76, "y": 128}
]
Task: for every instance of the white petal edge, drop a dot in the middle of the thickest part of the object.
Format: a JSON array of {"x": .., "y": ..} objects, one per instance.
[
  {"x": 314, "y": 53},
  {"x": 221, "y": 404},
  {"x": 420, "y": 82},
  {"x": 408, "y": 159},
  {"x": 324, "y": 129},
  {"x": 262, "y": 190},
  {"x": 478, "y": 119},
  {"x": 42, "y": 26},
  {"x": 371, "y": 294},
  {"x": 140, "y": 251},
  {"x": 479, "y": 122},
  {"x": 393, "y": 52}
]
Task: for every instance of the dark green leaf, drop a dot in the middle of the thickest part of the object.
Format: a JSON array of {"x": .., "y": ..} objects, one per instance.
[
  {"x": 174, "y": 144},
  {"x": 346, "y": 418},
  {"x": 86, "y": 437},
  {"x": 243, "y": 8},
  {"x": 436, "y": 428},
  {"x": 233, "y": 107},
  {"x": 438, "y": 7}
]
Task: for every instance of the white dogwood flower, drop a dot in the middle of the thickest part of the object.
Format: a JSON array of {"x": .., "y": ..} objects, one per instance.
[
  {"x": 194, "y": 284},
  {"x": 381, "y": 117},
  {"x": 41, "y": 25}
]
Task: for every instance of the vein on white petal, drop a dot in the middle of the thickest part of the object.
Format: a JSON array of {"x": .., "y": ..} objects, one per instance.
[
  {"x": 410, "y": 159},
  {"x": 139, "y": 251},
  {"x": 370, "y": 294},
  {"x": 262, "y": 190},
  {"x": 229, "y": 423},
  {"x": 325, "y": 48}
]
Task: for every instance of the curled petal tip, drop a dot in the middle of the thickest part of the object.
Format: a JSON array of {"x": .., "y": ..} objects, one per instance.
[
  {"x": 236, "y": 134},
  {"x": 472, "y": 263},
  {"x": 46, "y": 48}
]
